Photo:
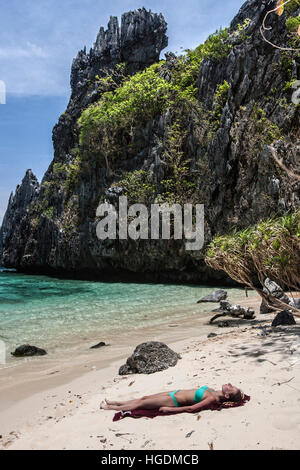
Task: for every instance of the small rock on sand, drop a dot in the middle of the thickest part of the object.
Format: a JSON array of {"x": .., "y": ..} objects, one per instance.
[{"x": 99, "y": 345}]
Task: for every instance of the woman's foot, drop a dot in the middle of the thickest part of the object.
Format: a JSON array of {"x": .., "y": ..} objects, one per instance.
[
  {"x": 104, "y": 405},
  {"x": 111, "y": 402}
]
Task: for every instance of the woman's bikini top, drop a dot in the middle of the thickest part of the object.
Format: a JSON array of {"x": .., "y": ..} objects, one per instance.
[{"x": 199, "y": 394}]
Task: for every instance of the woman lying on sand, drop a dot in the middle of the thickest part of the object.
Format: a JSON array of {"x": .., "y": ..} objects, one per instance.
[{"x": 188, "y": 400}]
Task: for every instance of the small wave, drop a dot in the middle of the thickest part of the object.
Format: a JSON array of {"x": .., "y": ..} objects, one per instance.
[{"x": 7, "y": 270}]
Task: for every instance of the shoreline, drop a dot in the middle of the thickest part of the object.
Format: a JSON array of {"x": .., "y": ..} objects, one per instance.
[
  {"x": 61, "y": 410},
  {"x": 197, "y": 278}
]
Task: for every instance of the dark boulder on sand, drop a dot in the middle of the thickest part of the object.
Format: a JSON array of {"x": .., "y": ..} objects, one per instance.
[
  {"x": 284, "y": 318},
  {"x": 215, "y": 296},
  {"x": 148, "y": 358},
  {"x": 26, "y": 351}
]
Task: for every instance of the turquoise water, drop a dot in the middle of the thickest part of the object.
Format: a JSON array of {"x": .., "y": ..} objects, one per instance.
[{"x": 53, "y": 313}]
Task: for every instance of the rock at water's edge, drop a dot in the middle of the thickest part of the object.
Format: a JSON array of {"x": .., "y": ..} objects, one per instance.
[
  {"x": 215, "y": 296},
  {"x": 26, "y": 350}
]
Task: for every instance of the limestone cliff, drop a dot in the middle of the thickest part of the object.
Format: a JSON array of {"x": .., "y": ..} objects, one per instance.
[{"x": 244, "y": 108}]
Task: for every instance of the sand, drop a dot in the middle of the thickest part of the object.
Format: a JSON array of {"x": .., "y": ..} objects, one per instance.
[{"x": 58, "y": 407}]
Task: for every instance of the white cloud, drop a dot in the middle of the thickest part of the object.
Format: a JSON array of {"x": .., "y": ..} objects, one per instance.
[{"x": 31, "y": 50}]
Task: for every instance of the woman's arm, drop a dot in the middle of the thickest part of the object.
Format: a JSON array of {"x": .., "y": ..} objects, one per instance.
[
  {"x": 189, "y": 409},
  {"x": 204, "y": 404}
]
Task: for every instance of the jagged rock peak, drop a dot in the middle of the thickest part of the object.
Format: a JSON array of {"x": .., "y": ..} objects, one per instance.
[
  {"x": 25, "y": 192},
  {"x": 138, "y": 42},
  {"x": 27, "y": 188},
  {"x": 109, "y": 41},
  {"x": 143, "y": 36},
  {"x": 17, "y": 206}
]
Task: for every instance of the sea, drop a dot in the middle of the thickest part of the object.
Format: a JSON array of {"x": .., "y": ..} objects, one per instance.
[{"x": 56, "y": 314}]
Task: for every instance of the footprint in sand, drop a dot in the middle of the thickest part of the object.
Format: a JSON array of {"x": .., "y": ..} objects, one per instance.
[{"x": 287, "y": 421}]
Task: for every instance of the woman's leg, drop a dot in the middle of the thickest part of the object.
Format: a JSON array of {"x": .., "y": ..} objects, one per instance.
[
  {"x": 129, "y": 402},
  {"x": 147, "y": 403},
  {"x": 119, "y": 403}
]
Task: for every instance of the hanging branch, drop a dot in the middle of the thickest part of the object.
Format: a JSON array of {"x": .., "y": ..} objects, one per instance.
[
  {"x": 279, "y": 162},
  {"x": 279, "y": 9}
]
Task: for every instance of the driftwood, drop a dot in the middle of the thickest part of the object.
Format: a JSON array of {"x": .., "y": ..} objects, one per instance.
[{"x": 245, "y": 316}]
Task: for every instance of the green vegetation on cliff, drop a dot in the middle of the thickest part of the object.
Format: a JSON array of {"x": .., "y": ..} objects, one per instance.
[
  {"x": 216, "y": 47},
  {"x": 292, "y": 6},
  {"x": 293, "y": 24},
  {"x": 138, "y": 187},
  {"x": 107, "y": 125}
]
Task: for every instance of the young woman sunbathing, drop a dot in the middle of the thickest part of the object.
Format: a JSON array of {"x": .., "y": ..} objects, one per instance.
[{"x": 187, "y": 400}]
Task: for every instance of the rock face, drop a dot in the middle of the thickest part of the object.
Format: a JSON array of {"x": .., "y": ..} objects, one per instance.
[
  {"x": 26, "y": 350},
  {"x": 15, "y": 219},
  {"x": 233, "y": 170},
  {"x": 215, "y": 296},
  {"x": 143, "y": 36},
  {"x": 149, "y": 358},
  {"x": 276, "y": 291},
  {"x": 284, "y": 318}
]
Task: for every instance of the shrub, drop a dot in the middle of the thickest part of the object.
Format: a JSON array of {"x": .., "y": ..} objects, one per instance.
[
  {"x": 292, "y": 6},
  {"x": 138, "y": 187},
  {"x": 267, "y": 132},
  {"x": 73, "y": 175},
  {"x": 49, "y": 212},
  {"x": 176, "y": 187},
  {"x": 215, "y": 47},
  {"x": 268, "y": 249},
  {"x": 293, "y": 24},
  {"x": 220, "y": 100},
  {"x": 139, "y": 98}
]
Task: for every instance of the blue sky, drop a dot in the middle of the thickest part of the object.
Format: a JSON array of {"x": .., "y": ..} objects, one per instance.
[{"x": 39, "y": 39}]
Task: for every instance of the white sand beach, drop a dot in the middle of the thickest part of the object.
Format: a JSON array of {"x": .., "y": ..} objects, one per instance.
[{"x": 50, "y": 408}]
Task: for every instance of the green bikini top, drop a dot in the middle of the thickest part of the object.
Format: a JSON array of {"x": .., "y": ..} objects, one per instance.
[{"x": 199, "y": 394}]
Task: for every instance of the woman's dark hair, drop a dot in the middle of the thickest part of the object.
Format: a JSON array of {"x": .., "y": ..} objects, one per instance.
[{"x": 236, "y": 396}]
